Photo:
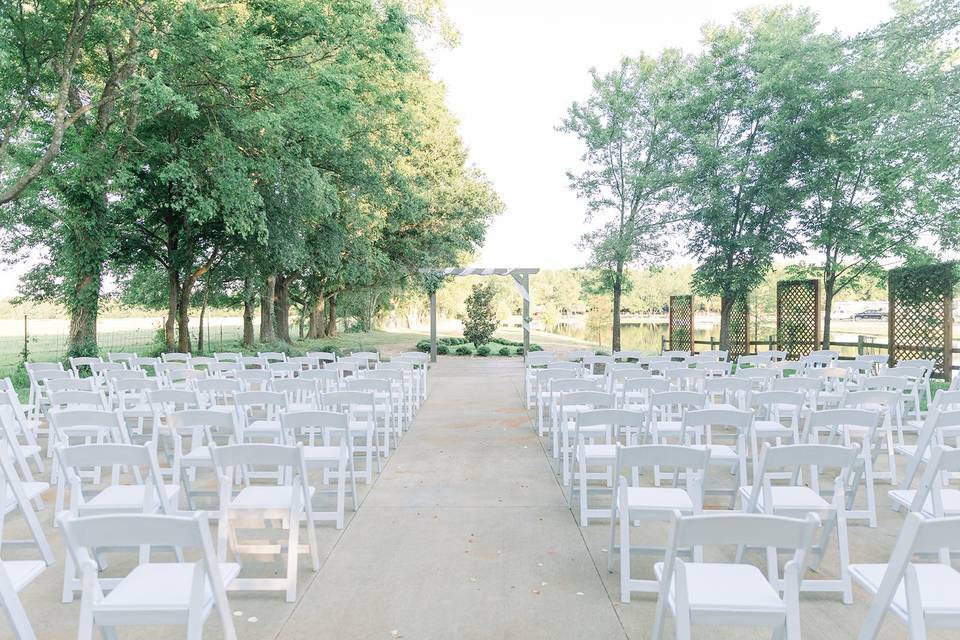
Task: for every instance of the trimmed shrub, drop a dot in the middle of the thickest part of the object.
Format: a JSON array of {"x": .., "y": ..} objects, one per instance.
[
  {"x": 520, "y": 351},
  {"x": 463, "y": 350},
  {"x": 483, "y": 351},
  {"x": 505, "y": 351},
  {"x": 533, "y": 347},
  {"x": 424, "y": 346},
  {"x": 481, "y": 320},
  {"x": 442, "y": 349}
]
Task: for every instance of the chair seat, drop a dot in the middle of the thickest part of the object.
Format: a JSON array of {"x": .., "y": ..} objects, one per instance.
[
  {"x": 719, "y": 452},
  {"x": 939, "y": 585},
  {"x": 271, "y": 427},
  {"x": 160, "y": 587},
  {"x": 30, "y": 489},
  {"x": 659, "y": 498},
  {"x": 321, "y": 454},
  {"x": 790, "y": 499},
  {"x": 725, "y": 406},
  {"x": 771, "y": 429},
  {"x": 265, "y": 497},
  {"x": 666, "y": 426},
  {"x": 910, "y": 450},
  {"x": 127, "y": 497},
  {"x": 137, "y": 411},
  {"x": 200, "y": 454},
  {"x": 600, "y": 451},
  {"x": 22, "y": 572},
  {"x": 744, "y": 588},
  {"x": 950, "y": 497}
]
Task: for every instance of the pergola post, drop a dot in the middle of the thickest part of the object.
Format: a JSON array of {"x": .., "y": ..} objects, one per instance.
[
  {"x": 525, "y": 321},
  {"x": 433, "y": 326}
]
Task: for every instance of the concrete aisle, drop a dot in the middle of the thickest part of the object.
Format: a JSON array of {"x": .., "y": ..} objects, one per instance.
[{"x": 465, "y": 535}]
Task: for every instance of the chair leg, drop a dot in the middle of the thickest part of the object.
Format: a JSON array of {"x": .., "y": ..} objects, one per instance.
[
  {"x": 293, "y": 557},
  {"x": 844, "y": 553},
  {"x": 624, "y": 548}
]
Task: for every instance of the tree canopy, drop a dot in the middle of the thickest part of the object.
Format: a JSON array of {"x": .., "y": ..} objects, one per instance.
[{"x": 281, "y": 151}]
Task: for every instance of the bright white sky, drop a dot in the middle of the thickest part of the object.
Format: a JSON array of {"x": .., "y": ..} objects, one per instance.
[{"x": 521, "y": 63}]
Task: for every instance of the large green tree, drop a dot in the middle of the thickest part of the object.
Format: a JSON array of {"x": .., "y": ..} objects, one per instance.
[
  {"x": 631, "y": 164},
  {"x": 744, "y": 121}
]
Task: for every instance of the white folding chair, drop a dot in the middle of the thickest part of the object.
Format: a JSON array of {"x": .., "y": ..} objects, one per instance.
[
  {"x": 727, "y": 393},
  {"x": 573, "y": 403},
  {"x": 940, "y": 424},
  {"x": 632, "y": 503},
  {"x": 259, "y": 413},
  {"x": 848, "y": 427},
  {"x": 145, "y": 494},
  {"x": 204, "y": 427},
  {"x": 327, "y": 446},
  {"x": 594, "y": 441},
  {"x": 175, "y": 357},
  {"x": 797, "y": 500},
  {"x": 707, "y": 428},
  {"x": 302, "y": 395},
  {"x": 635, "y": 393},
  {"x": 19, "y": 433},
  {"x": 20, "y": 495},
  {"x": 921, "y": 595},
  {"x": 219, "y": 394},
  {"x": 256, "y": 506},
  {"x": 153, "y": 593},
  {"x": 356, "y": 405},
  {"x": 690, "y": 589},
  {"x": 272, "y": 356},
  {"x": 932, "y": 499},
  {"x": 381, "y": 412}
]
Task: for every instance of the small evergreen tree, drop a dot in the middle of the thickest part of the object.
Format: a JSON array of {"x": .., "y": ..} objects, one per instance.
[{"x": 481, "y": 320}]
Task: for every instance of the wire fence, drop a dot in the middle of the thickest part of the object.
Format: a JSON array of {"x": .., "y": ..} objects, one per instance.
[{"x": 47, "y": 339}]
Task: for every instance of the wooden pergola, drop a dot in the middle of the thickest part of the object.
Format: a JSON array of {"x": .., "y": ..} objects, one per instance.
[{"x": 521, "y": 279}]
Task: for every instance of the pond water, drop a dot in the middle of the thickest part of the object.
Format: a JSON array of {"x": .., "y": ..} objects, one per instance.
[{"x": 647, "y": 336}]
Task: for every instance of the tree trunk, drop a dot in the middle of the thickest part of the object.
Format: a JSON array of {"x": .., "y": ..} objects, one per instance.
[
  {"x": 332, "y": 316},
  {"x": 183, "y": 318},
  {"x": 317, "y": 327},
  {"x": 173, "y": 302},
  {"x": 267, "y": 330},
  {"x": 281, "y": 307},
  {"x": 248, "y": 310},
  {"x": 617, "y": 295},
  {"x": 84, "y": 307},
  {"x": 203, "y": 313},
  {"x": 727, "y": 301},
  {"x": 828, "y": 293}
]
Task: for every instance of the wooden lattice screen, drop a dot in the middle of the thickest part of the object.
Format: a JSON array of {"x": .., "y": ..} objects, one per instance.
[
  {"x": 681, "y": 323},
  {"x": 920, "y": 315},
  {"x": 739, "y": 328},
  {"x": 798, "y": 316}
]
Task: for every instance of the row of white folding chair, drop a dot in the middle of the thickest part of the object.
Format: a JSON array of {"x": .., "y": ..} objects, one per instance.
[
  {"x": 633, "y": 503},
  {"x": 288, "y": 501},
  {"x": 921, "y": 595},
  {"x": 764, "y": 421},
  {"x": 322, "y": 431}
]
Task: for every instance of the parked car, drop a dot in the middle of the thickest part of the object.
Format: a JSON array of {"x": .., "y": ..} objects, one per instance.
[{"x": 871, "y": 314}]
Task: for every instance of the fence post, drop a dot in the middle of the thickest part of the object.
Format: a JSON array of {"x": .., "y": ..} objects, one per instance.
[
  {"x": 221, "y": 336},
  {"x": 770, "y": 338},
  {"x": 860, "y": 347},
  {"x": 711, "y": 344},
  {"x": 663, "y": 344},
  {"x": 26, "y": 337}
]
